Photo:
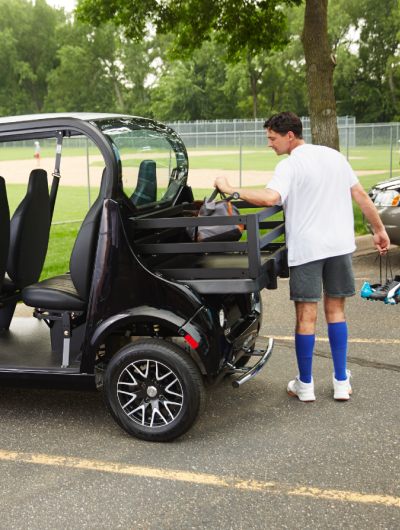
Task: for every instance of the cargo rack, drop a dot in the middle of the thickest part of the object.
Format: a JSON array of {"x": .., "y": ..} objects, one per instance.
[{"x": 213, "y": 267}]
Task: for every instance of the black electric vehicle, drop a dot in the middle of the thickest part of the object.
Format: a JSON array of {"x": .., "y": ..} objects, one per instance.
[{"x": 144, "y": 314}]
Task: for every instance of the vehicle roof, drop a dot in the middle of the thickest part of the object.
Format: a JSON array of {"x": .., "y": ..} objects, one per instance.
[{"x": 84, "y": 116}]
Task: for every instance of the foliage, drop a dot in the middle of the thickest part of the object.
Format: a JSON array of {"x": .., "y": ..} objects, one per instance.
[
  {"x": 28, "y": 46},
  {"x": 243, "y": 26},
  {"x": 87, "y": 71},
  {"x": 367, "y": 78},
  {"x": 52, "y": 62}
]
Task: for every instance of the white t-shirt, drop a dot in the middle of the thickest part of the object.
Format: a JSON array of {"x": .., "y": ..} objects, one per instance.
[{"x": 314, "y": 184}]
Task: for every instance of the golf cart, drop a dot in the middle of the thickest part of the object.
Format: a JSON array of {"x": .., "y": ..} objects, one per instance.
[{"x": 143, "y": 313}]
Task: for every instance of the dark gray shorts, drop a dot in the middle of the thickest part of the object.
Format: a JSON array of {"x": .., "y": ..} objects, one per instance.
[{"x": 335, "y": 274}]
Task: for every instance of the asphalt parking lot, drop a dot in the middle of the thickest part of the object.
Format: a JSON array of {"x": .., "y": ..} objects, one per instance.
[{"x": 258, "y": 458}]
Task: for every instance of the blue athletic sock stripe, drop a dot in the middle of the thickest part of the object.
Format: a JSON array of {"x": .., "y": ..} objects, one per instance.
[
  {"x": 304, "y": 345},
  {"x": 338, "y": 335}
]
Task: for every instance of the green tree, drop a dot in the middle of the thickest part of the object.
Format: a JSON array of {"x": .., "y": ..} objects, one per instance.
[
  {"x": 194, "y": 88},
  {"x": 89, "y": 76},
  {"x": 367, "y": 79},
  {"x": 246, "y": 28},
  {"x": 29, "y": 44},
  {"x": 143, "y": 65}
]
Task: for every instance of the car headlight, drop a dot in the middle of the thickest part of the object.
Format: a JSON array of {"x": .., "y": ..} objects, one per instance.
[
  {"x": 387, "y": 198},
  {"x": 222, "y": 317}
]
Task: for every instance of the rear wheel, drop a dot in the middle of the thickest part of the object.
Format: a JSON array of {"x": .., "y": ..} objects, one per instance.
[{"x": 154, "y": 390}]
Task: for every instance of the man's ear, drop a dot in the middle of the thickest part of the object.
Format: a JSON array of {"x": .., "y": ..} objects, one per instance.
[{"x": 291, "y": 135}]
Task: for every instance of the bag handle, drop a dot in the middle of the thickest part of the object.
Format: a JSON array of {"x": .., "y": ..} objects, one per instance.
[
  {"x": 234, "y": 196},
  {"x": 380, "y": 266}
]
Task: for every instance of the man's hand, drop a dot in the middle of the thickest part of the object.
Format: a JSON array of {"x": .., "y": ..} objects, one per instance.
[
  {"x": 368, "y": 208},
  {"x": 258, "y": 197},
  {"x": 382, "y": 241},
  {"x": 223, "y": 185}
]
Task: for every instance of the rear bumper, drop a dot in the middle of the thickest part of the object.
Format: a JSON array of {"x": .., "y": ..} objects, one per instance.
[{"x": 248, "y": 373}]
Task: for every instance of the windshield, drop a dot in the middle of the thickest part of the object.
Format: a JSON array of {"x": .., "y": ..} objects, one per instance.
[{"x": 152, "y": 159}]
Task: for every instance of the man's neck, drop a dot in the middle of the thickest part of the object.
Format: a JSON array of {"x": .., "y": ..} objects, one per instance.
[{"x": 295, "y": 144}]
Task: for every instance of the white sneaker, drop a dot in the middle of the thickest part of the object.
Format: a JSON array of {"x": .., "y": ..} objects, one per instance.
[
  {"x": 342, "y": 389},
  {"x": 304, "y": 391}
]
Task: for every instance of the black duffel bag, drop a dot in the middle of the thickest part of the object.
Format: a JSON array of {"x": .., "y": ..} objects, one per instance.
[{"x": 210, "y": 208}]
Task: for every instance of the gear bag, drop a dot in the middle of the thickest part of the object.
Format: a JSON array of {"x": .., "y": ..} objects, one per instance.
[{"x": 210, "y": 208}]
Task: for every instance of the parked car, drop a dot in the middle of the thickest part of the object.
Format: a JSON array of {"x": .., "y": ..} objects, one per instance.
[
  {"x": 386, "y": 197},
  {"x": 144, "y": 314}
]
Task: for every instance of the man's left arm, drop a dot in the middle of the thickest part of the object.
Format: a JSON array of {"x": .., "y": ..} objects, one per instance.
[{"x": 368, "y": 208}]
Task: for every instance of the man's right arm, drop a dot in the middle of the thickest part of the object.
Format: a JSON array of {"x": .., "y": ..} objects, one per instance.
[
  {"x": 368, "y": 208},
  {"x": 259, "y": 197}
]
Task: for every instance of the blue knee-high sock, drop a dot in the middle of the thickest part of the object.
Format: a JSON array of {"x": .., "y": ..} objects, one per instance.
[
  {"x": 304, "y": 352},
  {"x": 337, "y": 334}
]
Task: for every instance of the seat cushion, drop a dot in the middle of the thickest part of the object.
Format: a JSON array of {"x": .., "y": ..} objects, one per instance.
[{"x": 54, "y": 293}]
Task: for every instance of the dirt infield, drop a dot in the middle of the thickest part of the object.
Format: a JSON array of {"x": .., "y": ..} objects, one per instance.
[{"x": 74, "y": 171}]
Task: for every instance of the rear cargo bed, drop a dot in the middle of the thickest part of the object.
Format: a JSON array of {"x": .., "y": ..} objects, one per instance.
[{"x": 215, "y": 267}]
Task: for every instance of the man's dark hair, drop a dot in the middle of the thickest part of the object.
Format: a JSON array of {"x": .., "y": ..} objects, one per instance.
[{"x": 284, "y": 122}]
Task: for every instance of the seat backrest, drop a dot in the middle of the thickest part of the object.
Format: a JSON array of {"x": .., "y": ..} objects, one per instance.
[
  {"x": 4, "y": 230},
  {"x": 84, "y": 252},
  {"x": 146, "y": 188},
  {"x": 123, "y": 198},
  {"x": 29, "y": 232}
]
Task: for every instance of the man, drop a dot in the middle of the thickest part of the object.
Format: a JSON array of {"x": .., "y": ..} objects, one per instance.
[{"x": 315, "y": 185}]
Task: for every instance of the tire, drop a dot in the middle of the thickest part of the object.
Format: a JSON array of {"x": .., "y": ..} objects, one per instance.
[{"x": 136, "y": 380}]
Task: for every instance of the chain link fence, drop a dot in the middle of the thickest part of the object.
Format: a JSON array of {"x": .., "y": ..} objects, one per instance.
[{"x": 239, "y": 136}]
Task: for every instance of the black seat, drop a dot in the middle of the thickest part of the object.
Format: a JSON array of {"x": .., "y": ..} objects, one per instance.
[
  {"x": 4, "y": 230},
  {"x": 124, "y": 199},
  {"x": 70, "y": 292},
  {"x": 146, "y": 189},
  {"x": 29, "y": 235}
]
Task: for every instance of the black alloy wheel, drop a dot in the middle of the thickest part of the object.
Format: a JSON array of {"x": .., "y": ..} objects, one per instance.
[{"x": 154, "y": 390}]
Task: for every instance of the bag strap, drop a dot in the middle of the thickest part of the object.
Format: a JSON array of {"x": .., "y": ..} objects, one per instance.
[{"x": 215, "y": 193}]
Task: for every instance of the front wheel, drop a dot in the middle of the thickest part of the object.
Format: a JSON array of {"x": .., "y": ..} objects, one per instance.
[{"x": 154, "y": 390}]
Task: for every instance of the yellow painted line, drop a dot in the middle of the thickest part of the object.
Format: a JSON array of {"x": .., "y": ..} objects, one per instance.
[
  {"x": 325, "y": 339},
  {"x": 274, "y": 488}
]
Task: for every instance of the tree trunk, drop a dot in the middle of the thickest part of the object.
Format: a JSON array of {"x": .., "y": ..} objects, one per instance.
[
  {"x": 320, "y": 63},
  {"x": 117, "y": 90},
  {"x": 255, "y": 104},
  {"x": 253, "y": 84},
  {"x": 392, "y": 87},
  {"x": 35, "y": 97}
]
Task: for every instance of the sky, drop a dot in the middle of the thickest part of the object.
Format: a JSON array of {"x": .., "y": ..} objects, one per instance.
[{"x": 69, "y": 5}]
